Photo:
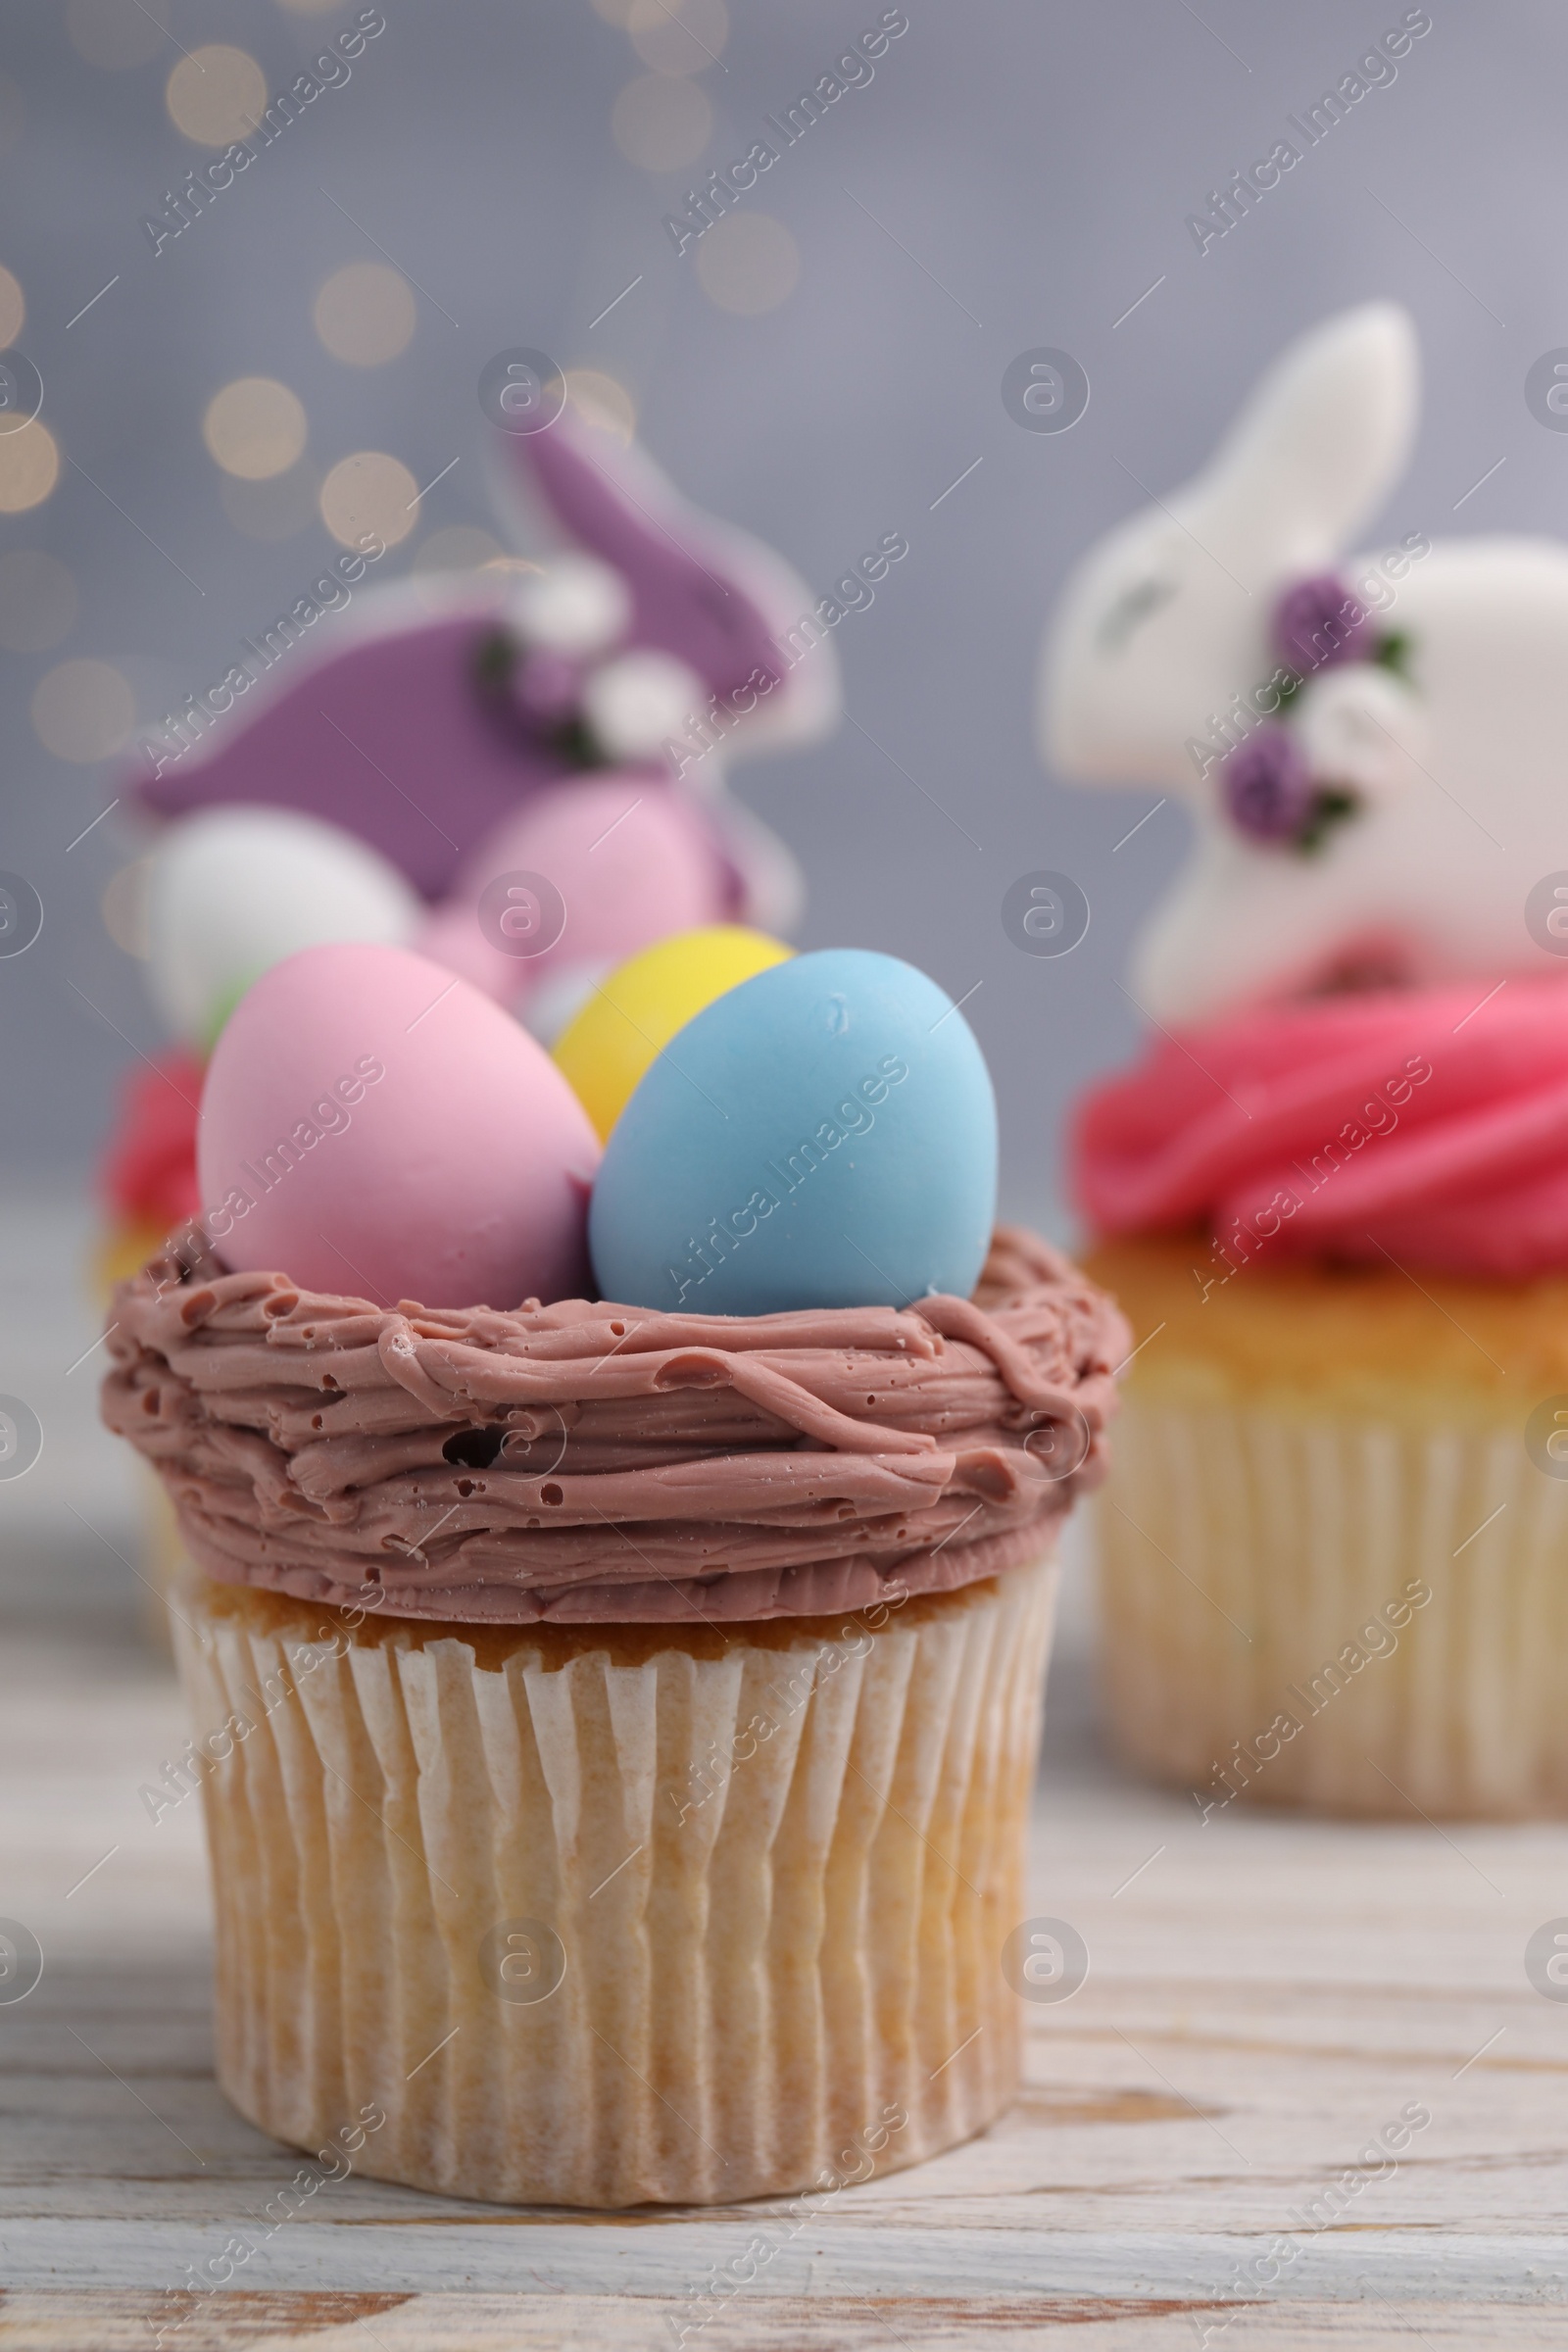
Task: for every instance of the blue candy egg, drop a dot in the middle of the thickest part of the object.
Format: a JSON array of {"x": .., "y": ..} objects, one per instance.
[{"x": 824, "y": 1135}]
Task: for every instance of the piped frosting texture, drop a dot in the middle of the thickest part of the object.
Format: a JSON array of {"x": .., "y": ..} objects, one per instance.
[
  {"x": 584, "y": 1462},
  {"x": 1425, "y": 1125}
]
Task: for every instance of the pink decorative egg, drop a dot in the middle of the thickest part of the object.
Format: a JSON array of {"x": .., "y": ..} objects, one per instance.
[
  {"x": 630, "y": 859},
  {"x": 372, "y": 1124}
]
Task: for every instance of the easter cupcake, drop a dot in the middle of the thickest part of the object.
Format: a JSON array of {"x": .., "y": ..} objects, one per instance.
[
  {"x": 1333, "y": 1561},
  {"x": 520, "y": 771},
  {"x": 617, "y": 1720},
  {"x": 1332, "y": 1193}
]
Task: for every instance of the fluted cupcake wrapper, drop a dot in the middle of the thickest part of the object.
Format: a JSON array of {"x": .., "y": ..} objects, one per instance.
[
  {"x": 164, "y": 1556},
  {"x": 595, "y": 1925},
  {"x": 1326, "y": 1610}
]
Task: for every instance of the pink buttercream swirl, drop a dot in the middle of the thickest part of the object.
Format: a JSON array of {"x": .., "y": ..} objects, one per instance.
[
  {"x": 1427, "y": 1125},
  {"x": 594, "y": 1464}
]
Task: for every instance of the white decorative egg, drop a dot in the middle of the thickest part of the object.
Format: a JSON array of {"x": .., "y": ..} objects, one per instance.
[{"x": 232, "y": 891}]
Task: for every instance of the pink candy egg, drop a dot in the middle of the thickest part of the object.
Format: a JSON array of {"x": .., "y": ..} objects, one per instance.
[
  {"x": 371, "y": 1124},
  {"x": 629, "y": 859}
]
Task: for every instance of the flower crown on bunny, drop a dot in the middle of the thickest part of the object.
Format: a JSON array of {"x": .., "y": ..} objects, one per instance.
[{"x": 1373, "y": 746}]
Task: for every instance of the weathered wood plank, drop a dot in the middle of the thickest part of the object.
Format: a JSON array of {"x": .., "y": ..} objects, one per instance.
[
  {"x": 1265, "y": 1995},
  {"x": 844, "y": 2256},
  {"x": 118, "y": 2321}
]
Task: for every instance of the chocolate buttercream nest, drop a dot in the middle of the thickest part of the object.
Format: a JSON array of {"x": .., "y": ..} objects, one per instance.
[{"x": 590, "y": 1463}]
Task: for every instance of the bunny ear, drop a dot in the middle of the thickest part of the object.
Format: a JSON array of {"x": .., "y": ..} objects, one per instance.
[
  {"x": 1322, "y": 439},
  {"x": 724, "y": 604},
  {"x": 385, "y": 735}
]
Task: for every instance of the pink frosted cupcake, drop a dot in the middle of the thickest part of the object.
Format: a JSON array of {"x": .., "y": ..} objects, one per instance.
[{"x": 1332, "y": 1560}]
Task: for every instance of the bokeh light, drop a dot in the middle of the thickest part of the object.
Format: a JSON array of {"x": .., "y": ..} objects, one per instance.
[
  {"x": 747, "y": 263},
  {"x": 368, "y": 492},
  {"x": 613, "y": 12},
  {"x": 118, "y": 33},
  {"x": 13, "y": 308},
  {"x": 275, "y": 510},
  {"x": 37, "y": 601},
  {"x": 364, "y": 314},
  {"x": 216, "y": 95},
  {"x": 84, "y": 710},
  {"x": 30, "y": 467},
  {"x": 457, "y": 547},
  {"x": 451, "y": 557},
  {"x": 254, "y": 428},
  {"x": 124, "y": 907},
  {"x": 678, "y": 36},
  {"x": 602, "y": 400},
  {"x": 662, "y": 123}
]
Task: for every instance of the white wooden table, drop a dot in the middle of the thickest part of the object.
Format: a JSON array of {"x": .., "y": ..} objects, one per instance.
[{"x": 1266, "y": 1993}]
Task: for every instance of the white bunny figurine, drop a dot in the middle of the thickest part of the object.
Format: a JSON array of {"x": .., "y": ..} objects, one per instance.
[{"x": 1375, "y": 748}]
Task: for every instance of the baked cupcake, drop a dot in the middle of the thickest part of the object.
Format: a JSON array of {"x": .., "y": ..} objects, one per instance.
[
  {"x": 1333, "y": 1560},
  {"x": 1333, "y": 1193},
  {"x": 579, "y": 715},
  {"x": 617, "y": 1725}
]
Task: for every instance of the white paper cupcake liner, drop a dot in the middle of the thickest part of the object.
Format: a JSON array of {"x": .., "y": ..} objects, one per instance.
[
  {"x": 649, "y": 1923},
  {"x": 1265, "y": 1635}
]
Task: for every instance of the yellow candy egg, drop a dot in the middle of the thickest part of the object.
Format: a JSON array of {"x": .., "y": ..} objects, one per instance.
[{"x": 631, "y": 1016}]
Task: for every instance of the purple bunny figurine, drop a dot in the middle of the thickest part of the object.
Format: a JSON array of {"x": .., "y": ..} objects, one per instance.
[{"x": 660, "y": 641}]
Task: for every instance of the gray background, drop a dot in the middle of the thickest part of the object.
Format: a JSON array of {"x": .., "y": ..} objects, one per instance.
[{"x": 1031, "y": 167}]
